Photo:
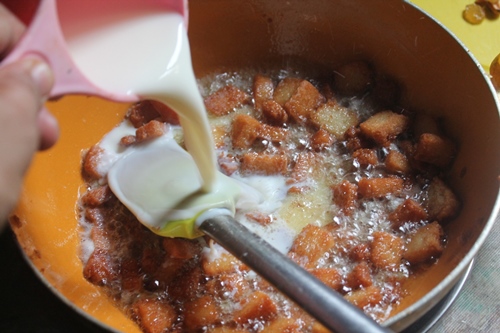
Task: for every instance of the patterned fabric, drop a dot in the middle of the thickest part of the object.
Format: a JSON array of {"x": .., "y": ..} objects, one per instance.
[{"x": 477, "y": 306}]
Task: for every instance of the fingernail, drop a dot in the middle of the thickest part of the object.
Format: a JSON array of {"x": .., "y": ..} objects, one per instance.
[{"x": 42, "y": 74}]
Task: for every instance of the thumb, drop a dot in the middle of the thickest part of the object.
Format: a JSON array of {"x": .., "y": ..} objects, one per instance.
[
  {"x": 24, "y": 87},
  {"x": 26, "y": 83}
]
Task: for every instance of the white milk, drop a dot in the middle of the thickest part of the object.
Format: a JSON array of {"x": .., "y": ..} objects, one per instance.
[{"x": 147, "y": 54}]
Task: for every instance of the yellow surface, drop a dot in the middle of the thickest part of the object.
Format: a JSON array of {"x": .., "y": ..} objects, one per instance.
[
  {"x": 483, "y": 40},
  {"x": 47, "y": 225}
]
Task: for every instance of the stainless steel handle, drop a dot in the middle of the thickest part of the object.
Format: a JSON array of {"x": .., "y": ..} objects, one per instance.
[{"x": 320, "y": 301}]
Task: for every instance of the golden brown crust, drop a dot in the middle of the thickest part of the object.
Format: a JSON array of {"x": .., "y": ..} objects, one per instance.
[
  {"x": 305, "y": 100},
  {"x": 365, "y": 296},
  {"x": 408, "y": 211},
  {"x": 263, "y": 89},
  {"x": 154, "y": 316},
  {"x": 386, "y": 250},
  {"x": 245, "y": 130},
  {"x": 442, "y": 203},
  {"x": 434, "y": 149},
  {"x": 91, "y": 161},
  {"x": 310, "y": 245},
  {"x": 151, "y": 130},
  {"x": 201, "y": 312},
  {"x": 322, "y": 140},
  {"x": 264, "y": 164},
  {"x": 345, "y": 195},
  {"x": 334, "y": 118},
  {"x": 396, "y": 162},
  {"x": 226, "y": 100},
  {"x": 369, "y": 188},
  {"x": 425, "y": 244},
  {"x": 383, "y": 127},
  {"x": 257, "y": 306},
  {"x": 360, "y": 276},
  {"x": 365, "y": 157}
]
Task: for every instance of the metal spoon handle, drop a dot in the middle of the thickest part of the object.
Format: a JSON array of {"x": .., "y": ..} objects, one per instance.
[{"x": 320, "y": 301}]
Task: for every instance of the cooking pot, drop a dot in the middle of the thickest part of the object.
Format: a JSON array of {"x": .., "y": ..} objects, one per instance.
[{"x": 438, "y": 76}]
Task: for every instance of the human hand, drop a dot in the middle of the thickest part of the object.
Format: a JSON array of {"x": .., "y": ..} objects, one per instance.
[{"x": 25, "y": 125}]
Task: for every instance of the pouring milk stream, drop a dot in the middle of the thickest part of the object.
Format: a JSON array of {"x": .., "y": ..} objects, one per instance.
[{"x": 158, "y": 181}]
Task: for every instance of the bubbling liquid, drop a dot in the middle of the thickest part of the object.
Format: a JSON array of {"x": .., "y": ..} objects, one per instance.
[{"x": 147, "y": 54}]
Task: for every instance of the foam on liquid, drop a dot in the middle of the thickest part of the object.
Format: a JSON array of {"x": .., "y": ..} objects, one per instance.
[{"x": 147, "y": 54}]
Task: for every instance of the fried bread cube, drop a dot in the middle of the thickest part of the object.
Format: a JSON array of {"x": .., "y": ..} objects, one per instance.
[
  {"x": 360, "y": 276},
  {"x": 97, "y": 196},
  {"x": 285, "y": 89},
  {"x": 345, "y": 195},
  {"x": 201, "y": 312},
  {"x": 305, "y": 100},
  {"x": 128, "y": 140},
  {"x": 442, "y": 203},
  {"x": 226, "y": 100},
  {"x": 179, "y": 248},
  {"x": 383, "y": 127},
  {"x": 272, "y": 133},
  {"x": 263, "y": 89},
  {"x": 371, "y": 295},
  {"x": 360, "y": 252},
  {"x": 365, "y": 157},
  {"x": 245, "y": 130},
  {"x": 354, "y": 139},
  {"x": 408, "y": 211},
  {"x": 329, "y": 276},
  {"x": 264, "y": 164},
  {"x": 311, "y": 244},
  {"x": 386, "y": 250},
  {"x": 334, "y": 118},
  {"x": 143, "y": 112},
  {"x": 91, "y": 162},
  {"x": 99, "y": 269},
  {"x": 321, "y": 140},
  {"x": 149, "y": 131},
  {"x": 396, "y": 162},
  {"x": 370, "y": 188},
  {"x": 154, "y": 316},
  {"x": 224, "y": 264},
  {"x": 434, "y": 149},
  {"x": 274, "y": 113},
  {"x": 303, "y": 168},
  {"x": 257, "y": 306},
  {"x": 425, "y": 244}
]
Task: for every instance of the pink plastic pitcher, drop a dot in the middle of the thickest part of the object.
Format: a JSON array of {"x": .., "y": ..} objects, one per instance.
[{"x": 46, "y": 38}]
